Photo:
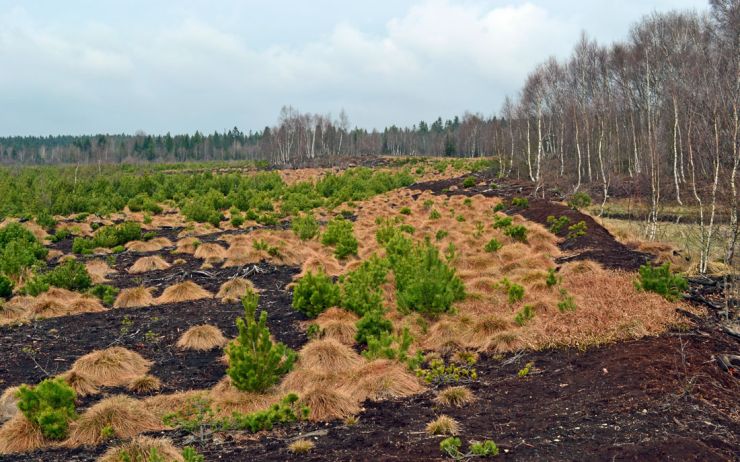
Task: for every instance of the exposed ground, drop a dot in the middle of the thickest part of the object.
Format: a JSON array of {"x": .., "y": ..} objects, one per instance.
[{"x": 659, "y": 397}]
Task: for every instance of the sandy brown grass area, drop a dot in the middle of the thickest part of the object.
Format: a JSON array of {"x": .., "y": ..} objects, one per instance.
[
  {"x": 187, "y": 245},
  {"x": 20, "y": 435},
  {"x": 234, "y": 289},
  {"x": 99, "y": 270},
  {"x": 146, "y": 264},
  {"x": 145, "y": 384},
  {"x": 327, "y": 404},
  {"x": 210, "y": 252},
  {"x": 112, "y": 367},
  {"x": 202, "y": 338},
  {"x": 53, "y": 303},
  {"x": 183, "y": 292},
  {"x": 382, "y": 379},
  {"x": 140, "y": 449},
  {"x": 134, "y": 297},
  {"x": 328, "y": 355},
  {"x": 125, "y": 416}
]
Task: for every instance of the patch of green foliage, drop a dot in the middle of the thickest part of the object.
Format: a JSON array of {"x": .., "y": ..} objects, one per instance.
[
  {"x": 523, "y": 372},
  {"x": 286, "y": 411},
  {"x": 579, "y": 200},
  {"x": 70, "y": 275},
  {"x": 516, "y": 232},
  {"x": 305, "y": 226},
  {"x": 6, "y": 287},
  {"x": 492, "y": 246},
  {"x": 256, "y": 362},
  {"x": 577, "y": 230},
  {"x": 388, "y": 346},
  {"x": 107, "y": 294},
  {"x": 524, "y": 315},
  {"x": 339, "y": 233},
  {"x": 109, "y": 237},
  {"x": 552, "y": 279},
  {"x": 434, "y": 215},
  {"x": 468, "y": 182},
  {"x": 520, "y": 202},
  {"x": 501, "y": 221},
  {"x": 372, "y": 324},
  {"x": 361, "y": 288},
  {"x": 19, "y": 250},
  {"x": 441, "y": 234},
  {"x": 143, "y": 203},
  {"x": 440, "y": 373},
  {"x": 424, "y": 282},
  {"x": 405, "y": 211},
  {"x": 50, "y": 406},
  {"x": 557, "y": 224},
  {"x": 314, "y": 293},
  {"x": 60, "y": 235},
  {"x": 514, "y": 291},
  {"x": 661, "y": 280},
  {"x": 567, "y": 302},
  {"x": 499, "y": 207}
]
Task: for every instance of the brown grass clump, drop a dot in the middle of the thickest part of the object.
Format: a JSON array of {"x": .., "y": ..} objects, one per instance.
[
  {"x": 81, "y": 384},
  {"x": 187, "y": 245},
  {"x": 202, "y": 338},
  {"x": 143, "y": 246},
  {"x": 327, "y": 404},
  {"x": 140, "y": 449},
  {"x": 383, "y": 379},
  {"x": 210, "y": 252},
  {"x": 134, "y": 297},
  {"x": 8, "y": 403},
  {"x": 302, "y": 446},
  {"x": 60, "y": 302},
  {"x": 163, "y": 404},
  {"x": 300, "y": 379},
  {"x": 227, "y": 399},
  {"x": 234, "y": 289},
  {"x": 111, "y": 367},
  {"x": 183, "y": 292},
  {"x": 341, "y": 331},
  {"x": 146, "y": 264},
  {"x": 145, "y": 384},
  {"x": 20, "y": 435},
  {"x": 328, "y": 354},
  {"x": 336, "y": 314},
  {"x": 443, "y": 425},
  {"x": 457, "y": 396},
  {"x": 98, "y": 270},
  {"x": 126, "y": 416}
]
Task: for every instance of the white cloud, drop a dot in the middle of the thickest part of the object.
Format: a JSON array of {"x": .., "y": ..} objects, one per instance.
[{"x": 188, "y": 72}]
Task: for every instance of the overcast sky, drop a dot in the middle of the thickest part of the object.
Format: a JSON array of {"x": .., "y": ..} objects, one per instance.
[{"x": 99, "y": 66}]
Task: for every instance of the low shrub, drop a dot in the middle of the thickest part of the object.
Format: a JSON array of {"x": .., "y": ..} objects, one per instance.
[
  {"x": 516, "y": 232},
  {"x": 520, "y": 202},
  {"x": 314, "y": 293},
  {"x": 501, "y": 221},
  {"x": 577, "y": 230},
  {"x": 424, "y": 282},
  {"x": 579, "y": 200},
  {"x": 557, "y": 224},
  {"x": 492, "y": 246},
  {"x": 339, "y": 233},
  {"x": 6, "y": 287},
  {"x": 405, "y": 211},
  {"x": 305, "y": 226},
  {"x": 468, "y": 182},
  {"x": 256, "y": 363},
  {"x": 372, "y": 324},
  {"x": 107, "y": 294},
  {"x": 109, "y": 237},
  {"x": 361, "y": 290},
  {"x": 70, "y": 275},
  {"x": 434, "y": 215},
  {"x": 567, "y": 302},
  {"x": 551, "y": 278},
  {"x": 388, "y": 346},
  {"x": 440, "y": 373},
  {"x": 441, "y": 234},
  {"x": 499, "y": 207},
  {"x": 50, "y": 406},
  {"x": 237, "y": 220},
  {"x": 661, "y": 280},
  {"x": 286, "y": 411},
  {"x": 60, "y": 235},
  {"x": 19, "y": 249},
  {"x": 514, "y": 291},
  {"x": 524, "y": 315}
]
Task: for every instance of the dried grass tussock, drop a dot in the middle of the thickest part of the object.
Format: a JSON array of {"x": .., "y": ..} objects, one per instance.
[
  {"x": 146, "y": 264},
  {"x": 143, "y": 246},
  {"x": 99, "y": 270},
  {"x": 145, "y": 384},
  {"x": 210, "y": 252},
  {"x": 227, "y": 399},
  {"x": 327, "y": 404},
  {"x": 457, "y": 396},
  {"x": 383, "y": 379},
  {"x": 328, "y": 355},
  {"x": 125, "y": 416},
  {"x": 187, "y": 245},
  {"x": 140, "y": 449},
  {"x": 233, "y": 290},
  {"x": 115, "y": 366},
  {"x": 202, "y": 338},
  {"x": 81, "y": 384},
  {"x": 134, "y": 297},
  {"x": 53, "y": 303},
  {"x": 20, "y": 435},
  {"x": 183, "y": 292}
]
